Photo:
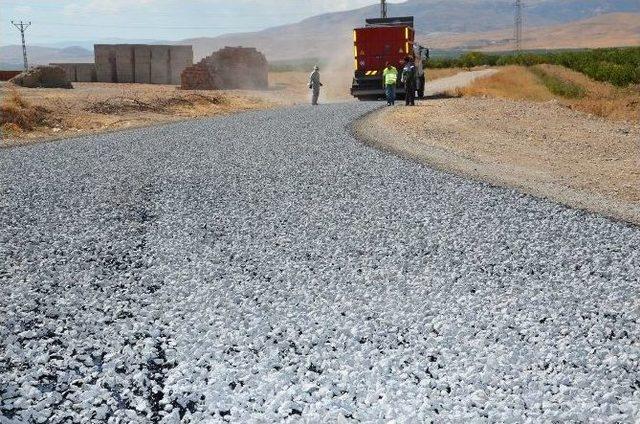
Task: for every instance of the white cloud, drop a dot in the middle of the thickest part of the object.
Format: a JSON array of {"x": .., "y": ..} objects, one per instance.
[
  {"x": 162, "y": 19},
  {"x": 23, "y": 10},
  {"x": 111, "y": 7}
]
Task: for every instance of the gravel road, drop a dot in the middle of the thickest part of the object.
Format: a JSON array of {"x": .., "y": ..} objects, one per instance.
[{"x": 266, "y": 267}]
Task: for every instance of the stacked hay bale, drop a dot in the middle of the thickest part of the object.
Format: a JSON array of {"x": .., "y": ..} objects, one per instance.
[{"x": 228, "y": 69}]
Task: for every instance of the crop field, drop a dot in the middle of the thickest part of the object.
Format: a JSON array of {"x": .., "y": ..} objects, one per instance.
[{"x": 618, "y": 66}]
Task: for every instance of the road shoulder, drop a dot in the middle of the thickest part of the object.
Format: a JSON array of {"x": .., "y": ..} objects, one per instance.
[{"x": 541, "y": 149}]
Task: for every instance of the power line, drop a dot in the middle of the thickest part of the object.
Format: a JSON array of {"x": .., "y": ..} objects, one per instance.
[
  {"x": 22, "y": 27},
  {"x": 42, "y": 23},
  {"x": 518, "y": 25}
]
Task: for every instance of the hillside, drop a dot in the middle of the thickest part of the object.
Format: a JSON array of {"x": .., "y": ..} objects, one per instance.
[
  {"x": 11, "y": 56},
  {"x": 323, "y": 35},
  {"x": 443, "y": 24},
  {"x": 614, "y": 29}
]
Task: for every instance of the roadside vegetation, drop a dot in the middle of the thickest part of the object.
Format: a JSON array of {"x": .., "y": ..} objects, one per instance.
[
  {"x": 511, "y": 82},
  {"x": 618, "y": 66},
  {"x": 39, "y": 113},
  {"x": 18, "y": 115},
  {"x": 556, "y": 83}
]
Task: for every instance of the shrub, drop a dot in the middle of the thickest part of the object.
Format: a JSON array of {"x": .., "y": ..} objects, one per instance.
[
  {"x": 618, "y": 66},
  {"x": 17, "y": 112},
  {"x": 559, "y": 86}
]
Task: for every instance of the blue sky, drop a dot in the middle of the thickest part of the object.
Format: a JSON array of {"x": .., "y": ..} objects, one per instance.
[{"x": 71, "y": 20}]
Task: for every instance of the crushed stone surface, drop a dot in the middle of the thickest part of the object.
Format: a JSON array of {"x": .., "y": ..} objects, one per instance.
[{"x": 267, "y": 267}]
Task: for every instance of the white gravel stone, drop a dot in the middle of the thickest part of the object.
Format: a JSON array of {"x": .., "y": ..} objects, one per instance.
[{"x": 267, "y": 267}]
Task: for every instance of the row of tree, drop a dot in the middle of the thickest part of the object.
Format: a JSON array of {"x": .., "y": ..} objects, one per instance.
[{"x": 619, "y": 66}]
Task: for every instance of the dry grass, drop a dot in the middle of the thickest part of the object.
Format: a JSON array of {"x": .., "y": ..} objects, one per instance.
[
  {"x": 601, "y": 99},
  {"x": 511, "y": 82},
  {"x": 520, "y": 83},
  {"x": 32, "y": 114},
  {"x": 18, "y": 115},
  {"x": 164, "y": 105}
]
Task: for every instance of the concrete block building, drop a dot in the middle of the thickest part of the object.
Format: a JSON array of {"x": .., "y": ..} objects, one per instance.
[
  {"x": 79, "y": 72},
  {"x": 141, "y": 63}
]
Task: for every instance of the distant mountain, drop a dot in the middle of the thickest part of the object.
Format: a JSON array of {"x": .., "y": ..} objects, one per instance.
[
  {"x": 327, "y": 34},
  {"x": 88, "y": 44},
  {"x": 463, "y": 16},
  {"x": 612, "y": 29},
  {"x": 451, "y": 24},
  {"x": 80, "y": 51},
  {"x": 11, "y": 56}
]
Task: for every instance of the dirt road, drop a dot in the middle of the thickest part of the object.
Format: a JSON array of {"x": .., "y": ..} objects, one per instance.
[
  {"x": 544, "y": 149},
  {"x": 440, "y": 86}
]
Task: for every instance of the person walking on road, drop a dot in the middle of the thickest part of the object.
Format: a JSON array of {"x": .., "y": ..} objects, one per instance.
[
  {"x": 409, "y": 74},
  {"x": 315, "y": 84},
  {"x": 389, "y": 79}
]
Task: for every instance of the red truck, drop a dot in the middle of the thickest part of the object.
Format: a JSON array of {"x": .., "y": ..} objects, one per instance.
[{"x": 384, "y": 40}]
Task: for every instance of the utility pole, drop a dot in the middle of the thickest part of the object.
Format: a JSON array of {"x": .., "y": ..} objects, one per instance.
[
  {"x": 383, "y": 9},
  {"x": 518, "y": 25},
  {"x": 22, "y": 27}
]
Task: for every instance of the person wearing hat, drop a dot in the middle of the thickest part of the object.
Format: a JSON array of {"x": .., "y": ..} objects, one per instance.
[
  {"x": 409, "y": 74},
  {"x": 315, "y": 84}
]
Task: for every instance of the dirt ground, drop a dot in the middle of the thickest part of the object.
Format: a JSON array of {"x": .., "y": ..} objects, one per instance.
[
  {"x": 44, "y": 113},
  {"x": 545, "y": 149},
  {"x": 34, "y": 114},
  {"x": 292, "y": 87},
  {"x": 41, "y": 114},
  {"x": 337, "y": 83}
]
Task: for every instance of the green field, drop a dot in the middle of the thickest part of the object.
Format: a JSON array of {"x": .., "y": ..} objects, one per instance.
[{"x": 618, "y": 66}]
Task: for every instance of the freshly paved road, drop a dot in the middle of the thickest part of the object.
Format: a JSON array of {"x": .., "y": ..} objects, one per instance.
[{"x": 266, "y": 267}]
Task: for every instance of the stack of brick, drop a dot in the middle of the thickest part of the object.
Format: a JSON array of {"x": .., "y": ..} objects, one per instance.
[
  {"x": 228, "y": 69},
  {"x": 197, "y": 77}
]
